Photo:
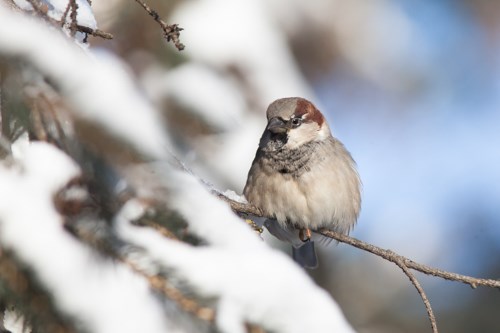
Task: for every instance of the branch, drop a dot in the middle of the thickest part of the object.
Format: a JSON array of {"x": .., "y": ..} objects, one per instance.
[
  {"x": 72, "y": 15},
  {"x": 94, "y": 32},
  {"x": 239, "y": 207},
  {"x": 156, "y": 282},
  {"x": 394, "y": 257},
  {"x": 170, "y": 32},
  {"x": 414, "y": 281},
  {"x": 402, "y": 262},
  {"x": 42, "y": 9},
  {"x": 65, "y": 14}
]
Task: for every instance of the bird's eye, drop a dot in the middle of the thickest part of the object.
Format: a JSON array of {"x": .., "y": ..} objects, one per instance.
[{"x": 296, "y": 122}]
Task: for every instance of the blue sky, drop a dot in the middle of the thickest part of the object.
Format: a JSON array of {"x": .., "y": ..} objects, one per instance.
[{"x": 428, "y": 153}]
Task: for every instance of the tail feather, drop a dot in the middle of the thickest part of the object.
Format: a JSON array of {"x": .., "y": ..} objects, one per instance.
[{"x": 305, "y": 255}]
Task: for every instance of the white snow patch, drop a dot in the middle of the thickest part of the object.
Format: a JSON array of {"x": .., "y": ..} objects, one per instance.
[
  {"x": 242, "y": 34},
  {"x": 56, "y": 9},
  {"x": 106, "y": 297},
  {"x": 234, "y": 196},
  {"x": 212, "y": 219},
  {"x": 14, "y": 323},
  {"x": 98, "y": 88},
  {"x": 252, "y": 282},
  {"x": 244, "y": 41},
  {"x": 261, "y": 285},
  {"x": 198, "y": 88}
]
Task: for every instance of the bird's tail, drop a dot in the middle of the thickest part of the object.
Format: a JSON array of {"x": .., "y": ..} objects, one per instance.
[{"x": 305, "y": 255}]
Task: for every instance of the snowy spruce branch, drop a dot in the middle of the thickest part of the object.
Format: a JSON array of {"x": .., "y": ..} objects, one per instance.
[
  {"x": 72, "y": 221},
  {"x": 72, "y": 19}
]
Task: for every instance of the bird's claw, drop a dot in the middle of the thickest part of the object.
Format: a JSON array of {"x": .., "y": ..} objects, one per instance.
[
  {"x": 254, "y": 226},
  {"x": 305, "y": 235}
]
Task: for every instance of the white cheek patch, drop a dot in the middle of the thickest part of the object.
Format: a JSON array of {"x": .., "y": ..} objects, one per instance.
[
  {"x": 305, "y": 133},
  {"x": 324, "y": 132}
]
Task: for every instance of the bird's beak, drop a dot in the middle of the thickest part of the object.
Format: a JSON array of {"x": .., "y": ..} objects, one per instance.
[{"x": 277, "y": 125}]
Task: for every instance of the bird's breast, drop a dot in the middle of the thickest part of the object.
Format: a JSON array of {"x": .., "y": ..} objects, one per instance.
[{"x": 305, "y": 189}]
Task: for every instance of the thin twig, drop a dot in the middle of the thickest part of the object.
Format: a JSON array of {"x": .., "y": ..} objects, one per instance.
[
  {"x": 414, "y": 281},
  {"x": 73, "y": 13},
  {"x": 161, "y": 284},
  {"x": 65, "y": 14},
  {"x": 245, "y": 208},
  {"x": 162, "y": 230},
  {"x": 394, "y": 257},
  {"x": 41, "y": 11},
  {"x": 94, "y": 32},
  {"x": 402, "y": 262},
  {"x": 170, "y": 32}
]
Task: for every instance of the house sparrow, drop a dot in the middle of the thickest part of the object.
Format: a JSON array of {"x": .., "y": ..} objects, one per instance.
[{"x": 302, "y": 178}]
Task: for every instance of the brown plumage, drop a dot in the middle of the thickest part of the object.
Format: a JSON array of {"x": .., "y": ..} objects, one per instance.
[{"x": 303, "y": 177}]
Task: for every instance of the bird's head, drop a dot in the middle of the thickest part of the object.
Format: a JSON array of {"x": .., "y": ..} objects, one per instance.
[{"x": 295, "y": 121}]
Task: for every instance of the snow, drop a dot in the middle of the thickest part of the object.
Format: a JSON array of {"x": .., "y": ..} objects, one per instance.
[
  {"x": 19, "y": 146},
  {"x": 99, "y": 89},
  {"x": 56, "y": 9},
  {"x": 234, "y": 196},
  {"x": 13, "y": 323},
  {"x": 242, "y": 34},
  {"x": 221, "y": 106},
  {"x": 242, "y": 41},
  {"x": 252, "y": 282},
  {"x": 218, "y": 224},
  {"x": 107, "y": 297}
]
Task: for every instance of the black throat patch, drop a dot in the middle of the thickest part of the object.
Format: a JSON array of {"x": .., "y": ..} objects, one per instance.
[{"x": 292, "y": 162}]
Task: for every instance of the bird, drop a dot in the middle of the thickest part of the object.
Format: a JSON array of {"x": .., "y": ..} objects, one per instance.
[{"x": 303, "y": 179}]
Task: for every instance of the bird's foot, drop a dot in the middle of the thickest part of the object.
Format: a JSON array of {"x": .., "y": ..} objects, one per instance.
[
  {"x": 254, "y": 226},
  {"x": 305, "y": 234}
]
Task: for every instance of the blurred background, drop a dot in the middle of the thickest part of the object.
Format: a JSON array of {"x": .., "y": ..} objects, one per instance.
[{"x": 411, "y": 87}]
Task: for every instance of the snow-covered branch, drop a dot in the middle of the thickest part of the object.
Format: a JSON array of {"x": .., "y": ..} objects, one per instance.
[
  {"x": 229, "y": 269},
  {"x": 102, "y": 296}
]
